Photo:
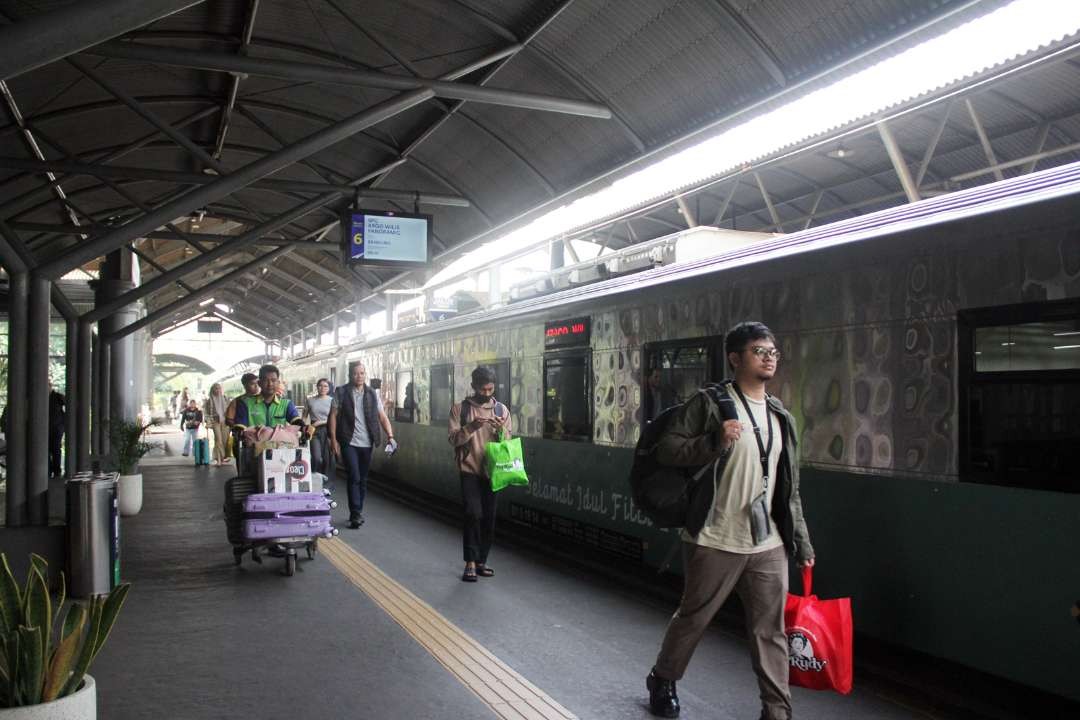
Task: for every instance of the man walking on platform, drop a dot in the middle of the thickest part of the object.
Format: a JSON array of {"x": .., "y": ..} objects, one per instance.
[
  {"x": 267, "y": 409},
  {"x": 745, "y": 538},
  {"x": 356, "y": 413}
]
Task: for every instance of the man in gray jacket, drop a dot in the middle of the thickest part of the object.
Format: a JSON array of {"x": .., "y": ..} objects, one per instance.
[{"x": 739, "y": 536}]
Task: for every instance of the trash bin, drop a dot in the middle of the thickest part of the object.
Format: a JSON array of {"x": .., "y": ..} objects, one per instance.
[{"x": 93, "y": 534}]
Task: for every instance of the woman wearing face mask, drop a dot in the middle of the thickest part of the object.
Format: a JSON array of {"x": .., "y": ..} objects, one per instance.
[
  {"x": 473, "y": 423},
  {"x": 316, "y": 413}
]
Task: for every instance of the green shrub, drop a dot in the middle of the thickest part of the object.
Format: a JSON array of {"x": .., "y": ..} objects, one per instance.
[
  {"x": 126, "y": 446},
  {"x": 42, "y": 660}
]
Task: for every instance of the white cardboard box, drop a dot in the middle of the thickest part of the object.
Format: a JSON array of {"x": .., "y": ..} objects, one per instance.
[{"x": 285, "y": 470}]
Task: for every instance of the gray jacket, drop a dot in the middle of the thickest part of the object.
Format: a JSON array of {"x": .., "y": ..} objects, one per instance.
[{"x": 692, "y": 439}]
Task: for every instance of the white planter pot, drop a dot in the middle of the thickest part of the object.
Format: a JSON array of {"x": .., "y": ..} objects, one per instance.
[
  {"x": 80, "y": 705},
  {"x": 129, "y": 494}
]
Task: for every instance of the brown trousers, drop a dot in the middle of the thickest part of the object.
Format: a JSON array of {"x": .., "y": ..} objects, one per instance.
[{"x": 761, "y": 580}]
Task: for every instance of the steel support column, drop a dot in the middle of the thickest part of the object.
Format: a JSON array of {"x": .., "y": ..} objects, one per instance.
[
  {"x": 37, "y": 389},
  {"x": 85, "y": 369},
  {"x": 50, "y": 36},
  {"x": 229, "y": 184},
  {"x": 71, "y": 373},
  {"x": 16, "y": 513}
]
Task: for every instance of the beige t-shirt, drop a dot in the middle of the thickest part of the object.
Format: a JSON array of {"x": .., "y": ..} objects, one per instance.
[{"x": 728, "y": 525}]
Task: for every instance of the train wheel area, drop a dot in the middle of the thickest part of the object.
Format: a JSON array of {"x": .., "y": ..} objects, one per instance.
[{"x": 379, "y": 625}]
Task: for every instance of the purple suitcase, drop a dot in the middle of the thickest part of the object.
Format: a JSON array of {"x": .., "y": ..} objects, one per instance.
[{"x": 277, "y": 515}]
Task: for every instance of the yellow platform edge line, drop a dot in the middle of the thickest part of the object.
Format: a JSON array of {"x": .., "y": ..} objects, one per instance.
[
  {"x": 504, "y": 691},
  {"x": 488, "y": 670}
]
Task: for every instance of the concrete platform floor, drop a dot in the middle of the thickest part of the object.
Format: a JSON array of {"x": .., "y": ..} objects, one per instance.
[{"x": 201, "y": 638}]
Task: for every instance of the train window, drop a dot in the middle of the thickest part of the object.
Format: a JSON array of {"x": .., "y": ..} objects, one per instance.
[
  {"x": 442, "y": 393},
  {"x": 404, "y": 397},
  {"x": 502, "y": 381},
  {"x": 1019, "y": 389},
  {"x": 568, "y": 395},
  {"x": 673, "y": 373}
]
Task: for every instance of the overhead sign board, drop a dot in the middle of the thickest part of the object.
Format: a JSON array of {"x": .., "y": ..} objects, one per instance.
[{"x": 388, "y": 239}]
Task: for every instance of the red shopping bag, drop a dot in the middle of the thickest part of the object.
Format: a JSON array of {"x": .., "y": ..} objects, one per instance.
[{"x": 819, "y": 639}]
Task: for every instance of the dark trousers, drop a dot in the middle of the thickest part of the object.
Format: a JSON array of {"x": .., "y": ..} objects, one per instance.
[
  {"x": 479, "y": 517},
  {"x": 322, "y": 457},
  {"x": 56, "y": 441},
  {"x": 357, "y": 461}
]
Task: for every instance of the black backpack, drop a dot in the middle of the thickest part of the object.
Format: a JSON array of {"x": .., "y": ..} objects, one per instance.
[{"x": 664, "y": 493}]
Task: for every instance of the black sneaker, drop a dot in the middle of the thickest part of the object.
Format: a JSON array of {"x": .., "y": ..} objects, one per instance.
[
  {"x": 663, "y": 700},
  {"x": 356, "y": 521}
]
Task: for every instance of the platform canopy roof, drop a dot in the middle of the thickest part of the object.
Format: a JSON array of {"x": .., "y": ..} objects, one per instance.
[{"x": 221, "y": 139}]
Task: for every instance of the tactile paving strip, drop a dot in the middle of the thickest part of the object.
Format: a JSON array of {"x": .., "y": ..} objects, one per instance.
[{"x": 507, "y": 693}]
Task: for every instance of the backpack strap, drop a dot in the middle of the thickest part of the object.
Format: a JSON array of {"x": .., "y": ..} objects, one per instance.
[{"x": 712, "y": 392}]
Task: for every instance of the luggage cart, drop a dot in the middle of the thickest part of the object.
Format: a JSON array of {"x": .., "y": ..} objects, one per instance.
[{"x": 237, "y": 490}]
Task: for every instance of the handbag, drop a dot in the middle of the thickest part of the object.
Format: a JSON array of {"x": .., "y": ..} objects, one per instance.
[
  {"x": 505, "y": 463},
  {"x": 819, "y": 635}
]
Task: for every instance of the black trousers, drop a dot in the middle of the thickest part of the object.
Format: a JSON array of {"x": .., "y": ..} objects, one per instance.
[
  {"x": 56, "y": 443},
  {"x": 479, "y": 532}
]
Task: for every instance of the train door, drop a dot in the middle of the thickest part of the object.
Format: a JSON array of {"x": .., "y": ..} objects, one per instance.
[{"x": 568, "y": 395}]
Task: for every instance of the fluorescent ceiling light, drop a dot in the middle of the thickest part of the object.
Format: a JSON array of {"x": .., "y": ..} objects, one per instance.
[
  {"x": 1063, "y": 334},
  {"x": 206, "y": 302},
  {"x": 1066, "y": 347},
  {"x": 1010, "y": 32}
]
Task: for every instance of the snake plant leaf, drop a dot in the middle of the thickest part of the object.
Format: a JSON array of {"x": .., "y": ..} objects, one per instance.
[
  {"x": 14, "y": 679},
  {"x": 33, "y": 664},
  {"x": 39, "y": 563},
  {"x": 109, "y": 611},
  {"x": 86, "y": 650},
  {"x": 10, "y": 599},
  {"x": 60, "y": 666},
  {"x": 39, "y": 607},
  {"x": 61, "y": 597},
  {"x": 75, "y": 619}
]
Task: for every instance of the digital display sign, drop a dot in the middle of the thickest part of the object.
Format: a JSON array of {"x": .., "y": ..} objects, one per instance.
[
  {"x": 379, "y": 237},
  {"x": 209, "y": 326},
  {"x": 566, "y": 333}
]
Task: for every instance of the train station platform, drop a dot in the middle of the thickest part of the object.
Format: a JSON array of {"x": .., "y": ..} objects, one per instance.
[{"x": 379, "y": 625}]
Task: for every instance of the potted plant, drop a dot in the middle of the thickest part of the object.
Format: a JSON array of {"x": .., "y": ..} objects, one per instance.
[
  {"x": 127, "y": 447},
  {"x": 43, "y": 660}
]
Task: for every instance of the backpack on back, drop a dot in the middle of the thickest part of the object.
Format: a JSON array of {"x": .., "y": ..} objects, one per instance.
[{"x": 662, "y": 492}]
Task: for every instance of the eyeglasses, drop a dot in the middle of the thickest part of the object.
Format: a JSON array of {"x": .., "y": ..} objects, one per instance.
[{"x": 764, "y": 352}]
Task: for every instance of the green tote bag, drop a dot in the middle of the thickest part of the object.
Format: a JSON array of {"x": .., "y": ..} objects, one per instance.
[{"x": 505, "y": 463}]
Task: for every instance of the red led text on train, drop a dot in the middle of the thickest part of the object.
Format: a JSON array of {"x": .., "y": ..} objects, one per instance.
[{"x": 575, "y": 329}]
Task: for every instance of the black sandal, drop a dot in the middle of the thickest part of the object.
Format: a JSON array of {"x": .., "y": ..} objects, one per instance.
[
  {"x": 469, "y": 575},
  {"x": 484, "y": 571}
]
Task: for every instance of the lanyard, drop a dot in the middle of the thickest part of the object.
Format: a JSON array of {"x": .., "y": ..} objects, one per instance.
[{"x": 763, "y": 451}]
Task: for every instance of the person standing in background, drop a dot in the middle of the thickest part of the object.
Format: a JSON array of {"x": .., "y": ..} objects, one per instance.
[
  {"x": 214, "y": 412},
  {"x": 57, "y": 414},
  {"x": 190, "y": 420},
  {"x": 317, "y": 414}
]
